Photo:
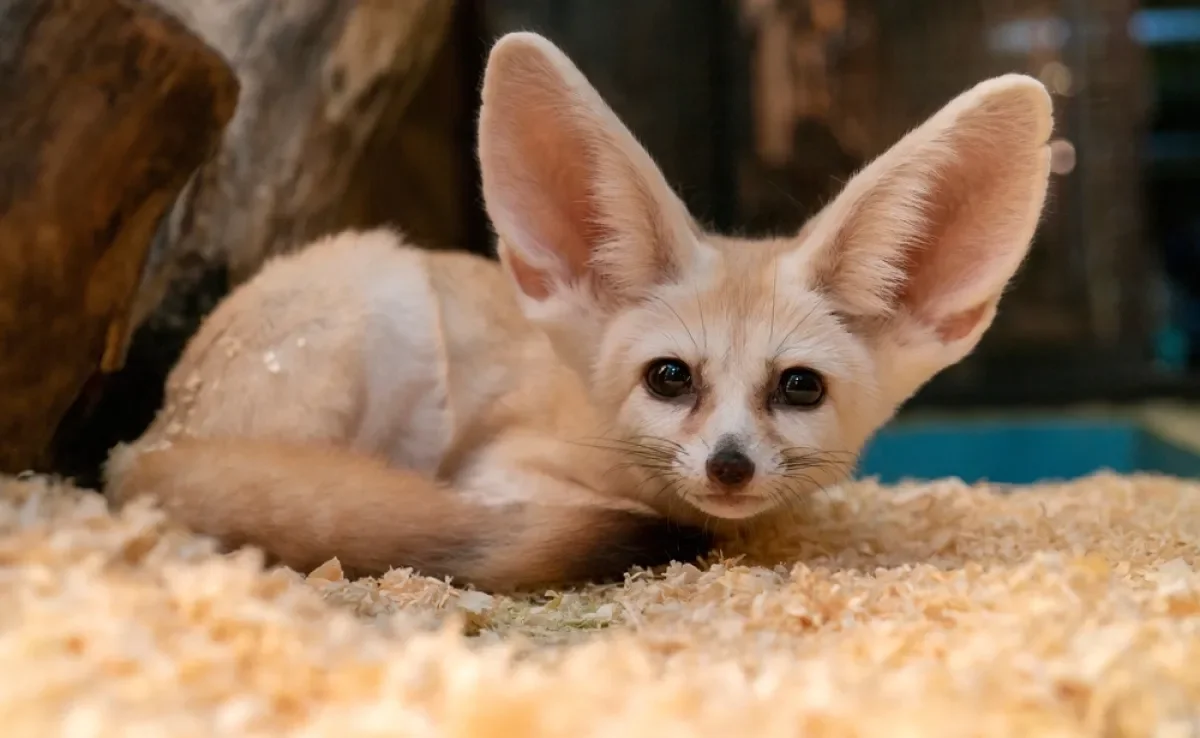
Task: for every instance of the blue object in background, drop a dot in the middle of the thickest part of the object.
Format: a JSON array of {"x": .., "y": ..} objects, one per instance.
[{"x": 1021, "y": 451}]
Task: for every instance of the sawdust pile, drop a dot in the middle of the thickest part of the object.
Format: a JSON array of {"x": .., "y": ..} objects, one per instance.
[{"x": 938, "y": 610}]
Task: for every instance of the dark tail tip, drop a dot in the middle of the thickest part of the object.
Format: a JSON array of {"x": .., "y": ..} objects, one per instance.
[{"x": 623, "y": 540}]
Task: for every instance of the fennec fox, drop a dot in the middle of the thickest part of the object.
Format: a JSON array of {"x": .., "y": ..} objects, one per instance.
[{"x": 621, "y": 384}]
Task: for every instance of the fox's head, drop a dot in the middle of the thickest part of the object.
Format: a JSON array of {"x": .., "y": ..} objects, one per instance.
[{"x": 745, "y": 373}]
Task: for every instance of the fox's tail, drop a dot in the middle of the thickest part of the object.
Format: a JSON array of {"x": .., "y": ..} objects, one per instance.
[{"x": 304, "y": 505}]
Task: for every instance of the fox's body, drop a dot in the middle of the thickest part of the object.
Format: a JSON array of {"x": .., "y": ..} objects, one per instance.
[
  {"x": 391, "y": 406},
  {"x": 364, "y": 342},
  {"x": 620, "y": 384}
]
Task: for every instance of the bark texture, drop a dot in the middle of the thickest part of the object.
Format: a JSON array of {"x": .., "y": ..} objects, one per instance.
[
  {"x": 322, "y": 139},
  {"x": 320, "y": 79},
  {"x": 106, "y": 108}
]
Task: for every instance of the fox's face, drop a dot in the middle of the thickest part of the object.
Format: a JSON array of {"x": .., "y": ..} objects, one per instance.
[
  {"x": 732, "y": 396},
  {"x": 738, "y": 375}
]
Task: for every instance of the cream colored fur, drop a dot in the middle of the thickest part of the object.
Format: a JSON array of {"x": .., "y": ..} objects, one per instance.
[{"x": 369, "y": 400}]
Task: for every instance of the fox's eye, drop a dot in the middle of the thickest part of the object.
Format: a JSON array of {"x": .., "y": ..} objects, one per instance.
[
  {"x": 668, "y": 378},
  {"x": 800, "y": 387}
]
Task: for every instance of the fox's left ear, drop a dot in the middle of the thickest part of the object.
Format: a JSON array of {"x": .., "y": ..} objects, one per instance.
[
  {"x": 577, "y": 203},
  {"x": 585, "y": 221},
  {"x": 918, "y": 248}
]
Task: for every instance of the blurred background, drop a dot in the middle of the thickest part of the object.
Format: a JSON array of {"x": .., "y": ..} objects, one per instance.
[
  {"x": 757, "y": 111},
  {"x": 760, "y": 109}
]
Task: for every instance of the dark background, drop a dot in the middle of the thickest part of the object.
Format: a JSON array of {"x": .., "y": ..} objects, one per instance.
[
  {"x": 759, "y": 110},
  {"x": 1094, "y": 315}
]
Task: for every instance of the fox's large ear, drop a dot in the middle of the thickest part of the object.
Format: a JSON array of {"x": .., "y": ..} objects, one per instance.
[
  {"x": 919, "y": 246},
  {"x": 578, "y": 205}
]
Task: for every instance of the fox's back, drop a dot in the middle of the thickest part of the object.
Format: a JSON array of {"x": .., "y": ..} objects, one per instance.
[{"x": 363, "y": 341}]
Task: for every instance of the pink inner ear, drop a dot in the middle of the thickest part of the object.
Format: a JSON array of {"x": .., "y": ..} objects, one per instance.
[
  {"x": 960, "y": 324},
  {"x": 968, "y": 232},
  {"x": 568, "y": 188},
  {"x": 531, "y": 281},
  {"x": 562, "y": 217},
  {"x": 978, "y": 211},
  {"x": 944, "y": 258},
  {"x": 938, "y": 225},
  {"x": 541, "y": 167}
]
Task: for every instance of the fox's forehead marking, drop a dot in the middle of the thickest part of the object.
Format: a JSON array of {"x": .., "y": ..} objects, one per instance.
[{"x": 747, "y": 314}]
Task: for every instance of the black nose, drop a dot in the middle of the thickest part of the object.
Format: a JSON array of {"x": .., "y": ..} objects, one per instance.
[{"x": 730, "y": 467}]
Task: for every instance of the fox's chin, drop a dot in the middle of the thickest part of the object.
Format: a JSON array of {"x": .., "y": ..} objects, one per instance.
[{"x": 729, "y": 507}]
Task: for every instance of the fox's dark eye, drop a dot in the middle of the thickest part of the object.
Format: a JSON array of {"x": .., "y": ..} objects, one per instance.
[
  {"x": 668, "y": 378},
  {"x": 800, "y": 387}
]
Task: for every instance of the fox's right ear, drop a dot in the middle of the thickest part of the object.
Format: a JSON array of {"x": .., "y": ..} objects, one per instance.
[
  {"x": 919, "y": 247},
  {"x": 581, "y": 212}
]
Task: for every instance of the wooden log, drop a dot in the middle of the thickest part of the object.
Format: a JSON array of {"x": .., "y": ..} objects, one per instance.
[
  {"x": 106, "y": 107},
  {"x": 321, "y": 79},
  {"x": 326, "y": 90}
]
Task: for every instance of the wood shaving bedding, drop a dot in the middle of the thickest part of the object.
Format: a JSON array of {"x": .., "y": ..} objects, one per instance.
[{"x": 921, "y": 610}]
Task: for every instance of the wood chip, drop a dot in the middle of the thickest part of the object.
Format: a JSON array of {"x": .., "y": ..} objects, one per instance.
[{"x": 926, "y": 610}]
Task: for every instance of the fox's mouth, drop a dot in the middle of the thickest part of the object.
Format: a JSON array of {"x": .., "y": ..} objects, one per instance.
[
  {"x": 735, "y": 506},
  {"x": 728, "y": 500}
]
